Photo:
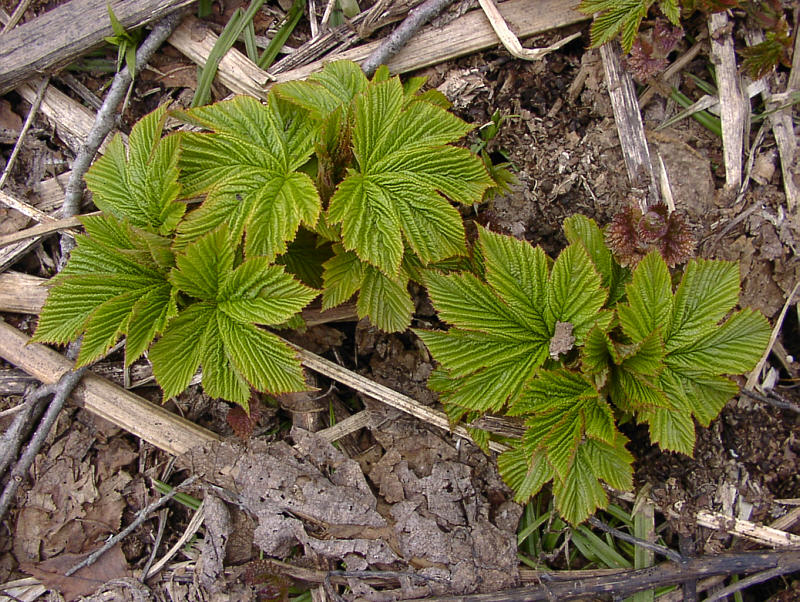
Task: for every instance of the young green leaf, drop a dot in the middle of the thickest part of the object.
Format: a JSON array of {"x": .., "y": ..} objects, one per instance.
[
  {"x": 614, "y": 17},
  {"x": 580, "y": 229},
  {"x": 140, "y": 184},
  {"x": 104, "y": 293},
  {"x": 572, "y": 426},
  {"x": 219, "y": 332},
  {"x": 503, "y": 329},
  {"x": 248, "y": 168},
  {"x": 404, "y": 166},
  {"x": 698, "y": 350}
]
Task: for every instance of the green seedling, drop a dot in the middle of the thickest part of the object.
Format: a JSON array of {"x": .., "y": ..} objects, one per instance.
[{"x": 125, "y": 41}]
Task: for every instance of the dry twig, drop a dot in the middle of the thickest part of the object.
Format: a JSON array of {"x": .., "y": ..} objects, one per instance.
[
  {"x": 140, "y": 518},
  {"x": 734, "y": 109},
  {"x": 394, "y": 42},
  {"x": 642, "y": 543},
  {"x": 20, "y": 470},
  {"x": 25, "y": 127}
]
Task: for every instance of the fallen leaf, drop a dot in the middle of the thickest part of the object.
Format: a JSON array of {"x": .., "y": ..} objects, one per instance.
[
  {"x": 217, "y": 521},
  {"x": 111, "y": 565}
]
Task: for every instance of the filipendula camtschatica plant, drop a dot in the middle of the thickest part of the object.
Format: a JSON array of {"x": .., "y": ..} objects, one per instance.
[{"x": 569, "y": 345}]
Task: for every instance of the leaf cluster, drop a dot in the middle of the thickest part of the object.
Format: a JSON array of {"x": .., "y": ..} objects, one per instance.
[
  {"x": 337, "y": 183},
  {"x": 571, "y": 345}
]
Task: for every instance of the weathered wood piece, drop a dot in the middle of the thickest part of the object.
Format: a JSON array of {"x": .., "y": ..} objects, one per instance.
[
  {"x": 22, "y": 293},
  {"x": 626, "y": 583},
  {"x": 629, "y": 123},
  {"x": 72, "y": 120},
  {"x": 62, "y": 34},
  {"x": 782, "y": 128},
  {"x": 467, "y": 34},
  {"x": 734, "y": 108},
  {"x": 154, "y": 424}
]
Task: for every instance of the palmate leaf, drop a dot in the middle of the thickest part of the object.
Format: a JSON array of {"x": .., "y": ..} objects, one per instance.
[
  {"x": 325, "y": 91},
  {"x": 140, "y": 185},
  {"x": 113, "y": 285},
  {"x": 571, "y": 439},
  {"x": 219, "y": 331},
  {"x": 502, "y": 328},
  {"x": 384, "y": 300},
  {"x": 393, "y": 198},
  {"x": 581, "y": 229},
  {"x": 698, "y": 348},
  {"x": 248, "y": 168}
]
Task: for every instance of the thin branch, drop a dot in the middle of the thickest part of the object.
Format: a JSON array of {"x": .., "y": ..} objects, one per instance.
[
  {"x": 747, "y": 582},
  {"x": 140, "y": 518},
  {"x": 37, "y": 101},
  {"x": 63, "y": 389},
  {"x": 42, "y": 229},
  {"x": 30, "y": 412},
  {"x": 16, "y": 15},
  {"x": 772, "y": 399},
  {"x": 642, "y": 543},
  {"x": 104, "y": 121},
  {"x": 394, "y": 42}
]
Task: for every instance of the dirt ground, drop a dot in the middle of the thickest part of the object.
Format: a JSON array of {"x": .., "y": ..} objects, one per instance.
[{"x": 457, "y": 521}]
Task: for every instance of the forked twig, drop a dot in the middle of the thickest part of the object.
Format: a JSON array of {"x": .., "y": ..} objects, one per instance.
[
  {"x": 140, "y": 518},
  {"x": 20, "y": 470}
]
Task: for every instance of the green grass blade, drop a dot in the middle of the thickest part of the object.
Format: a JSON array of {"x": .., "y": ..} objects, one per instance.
[
  {"x": 250, "y": 41},
  {"x": 644, "y": 527},
  {"x": 704, "y": 118},
  {"x": 703, "y": 85},
  {"x": 203, "y": 8},
  {"x": 292, "y": 19},
  {"x": 182, "y": 498},
  {"x": 593, "y": 547},
  {"x": 227, "y": 38}
]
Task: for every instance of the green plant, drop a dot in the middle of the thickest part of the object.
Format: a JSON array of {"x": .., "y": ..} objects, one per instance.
[
  {"x": 125, "y": 41},
  {"x": 499, "y": 172},
  {"x": 205, "y": 300},
  {"x": 354, "y": 173},
  {"x": 570, "y": 345}
]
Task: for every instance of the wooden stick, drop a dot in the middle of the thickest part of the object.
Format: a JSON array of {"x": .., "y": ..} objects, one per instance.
[
  {"x": 24, "y": 208},
  {"x": 467, "y": 34},
  {"x": 62, "y": 34},
  {"x": 72, "y": 120},
  {"x": 734, "y": 109},
  {"x": 384, "y": 394},
  {"x": 48, "y": 226},
  {"x": 629, "y": 124},
  {"x": 390, "y": 46},
  {"x": 154, "y": 424},
  {"x": 37, "y": 101},
  {"x": 626, "y": 583}
]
